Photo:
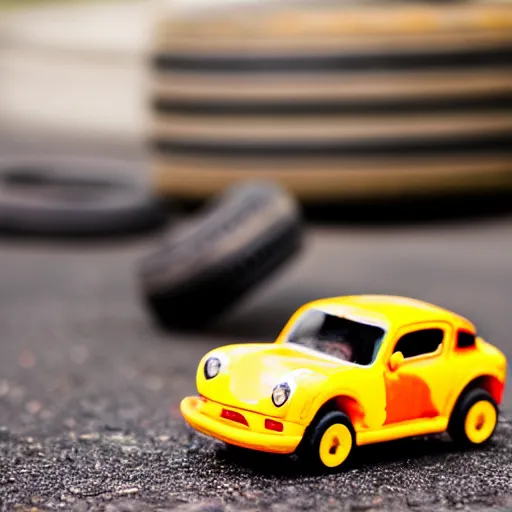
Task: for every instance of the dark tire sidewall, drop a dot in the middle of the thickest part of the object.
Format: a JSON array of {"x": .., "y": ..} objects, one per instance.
[
  {"x": 184, "y": 300},
  {"x": 118, "y": 201}
]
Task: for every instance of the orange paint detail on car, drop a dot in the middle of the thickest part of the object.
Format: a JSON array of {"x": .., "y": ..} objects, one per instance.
[{"x": 408, "y": 397}]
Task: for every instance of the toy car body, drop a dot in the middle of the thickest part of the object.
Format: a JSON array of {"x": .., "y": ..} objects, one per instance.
[{"x": 350, "y": 371}]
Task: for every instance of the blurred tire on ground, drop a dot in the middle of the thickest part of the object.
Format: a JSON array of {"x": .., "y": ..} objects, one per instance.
[
  {"x": 333, "y": 99},
  {"x": 54, "y": 197},
  {"x": 220, "y": 254}
]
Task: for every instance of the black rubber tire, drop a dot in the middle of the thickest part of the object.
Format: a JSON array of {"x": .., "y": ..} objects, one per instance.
[
  {"x": 75, "y": 198},
  {"x": 308, "y": 450},
  {"x": 227, "y": 249},
  {"x": 456, "y": 428}
]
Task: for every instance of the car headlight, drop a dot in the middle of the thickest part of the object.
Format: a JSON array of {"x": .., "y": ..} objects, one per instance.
[
  {"x": 280, "y": 394},
  {"x": 212, "y": 367}
]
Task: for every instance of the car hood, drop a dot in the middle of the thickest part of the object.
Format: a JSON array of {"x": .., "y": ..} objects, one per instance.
[{"x": 250, "y": 372}]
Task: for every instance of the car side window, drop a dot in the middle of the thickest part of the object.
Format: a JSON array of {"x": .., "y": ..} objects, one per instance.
[
  {"x": 465, "y": 339},
  {"x": 417, "y": 343}
]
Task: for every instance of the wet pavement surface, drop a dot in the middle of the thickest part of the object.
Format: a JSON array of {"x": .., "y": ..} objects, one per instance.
[{"x": 90, "y": 388}]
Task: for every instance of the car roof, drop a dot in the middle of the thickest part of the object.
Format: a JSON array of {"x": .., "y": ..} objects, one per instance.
[{"x": 393, "y": 309}]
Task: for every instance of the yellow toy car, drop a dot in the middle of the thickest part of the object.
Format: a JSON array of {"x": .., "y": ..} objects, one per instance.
[{"x": 350, "y": 371}]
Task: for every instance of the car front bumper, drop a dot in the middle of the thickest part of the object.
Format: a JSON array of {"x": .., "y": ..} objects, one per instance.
[{"x": 205, "y": 416}]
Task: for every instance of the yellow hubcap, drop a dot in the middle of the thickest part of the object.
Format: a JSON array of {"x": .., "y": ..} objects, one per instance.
[
  {"x": 335, "y": 445},
  {"x": 480, "y": 422}
]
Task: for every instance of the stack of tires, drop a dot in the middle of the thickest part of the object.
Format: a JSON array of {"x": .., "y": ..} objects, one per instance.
[{"x": 333, "y": 99}]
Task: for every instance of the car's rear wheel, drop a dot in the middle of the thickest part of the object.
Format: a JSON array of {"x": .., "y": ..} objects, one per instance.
[
  {"x": 474, "y": 418},
  {"x": 329, "y": 441}
]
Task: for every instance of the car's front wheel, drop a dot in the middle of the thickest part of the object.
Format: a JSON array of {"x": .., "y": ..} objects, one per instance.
[
  {"x": 474, "y": 418},
  {"x": 329, "y": 441}
]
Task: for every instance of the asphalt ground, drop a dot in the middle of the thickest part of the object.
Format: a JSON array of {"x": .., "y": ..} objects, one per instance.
[{"x": 89, "y": 388}]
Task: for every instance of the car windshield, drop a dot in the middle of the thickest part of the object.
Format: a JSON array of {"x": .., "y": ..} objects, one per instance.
[{"x": 342, "y": 338}]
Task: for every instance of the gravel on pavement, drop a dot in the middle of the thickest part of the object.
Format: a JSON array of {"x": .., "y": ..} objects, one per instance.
[{"x": 90, "y": 389}]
